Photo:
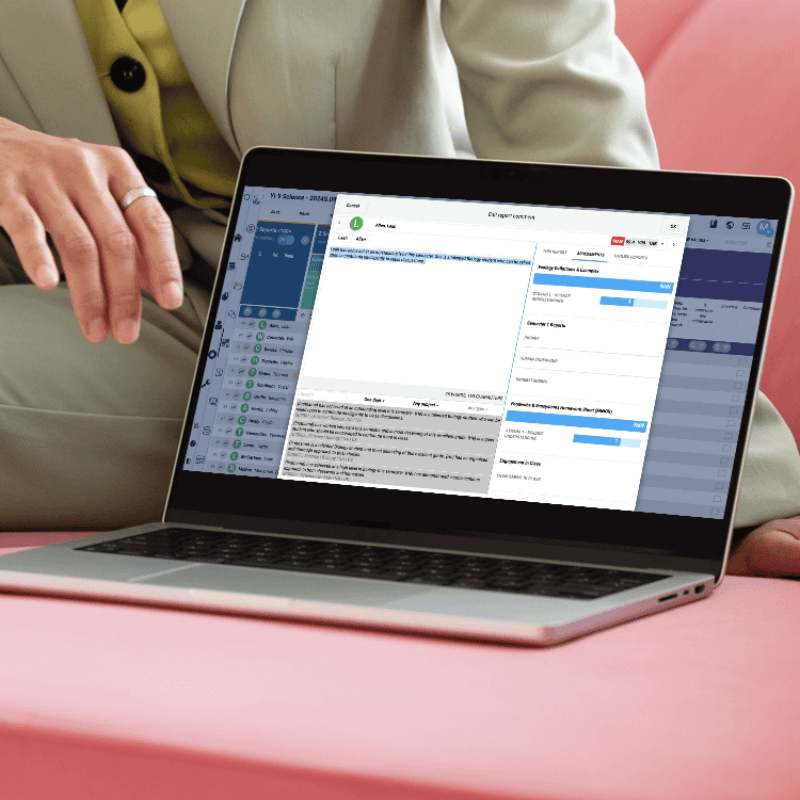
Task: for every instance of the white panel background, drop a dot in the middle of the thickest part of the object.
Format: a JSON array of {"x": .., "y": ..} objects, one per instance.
[{"x": 443, "y": 324}]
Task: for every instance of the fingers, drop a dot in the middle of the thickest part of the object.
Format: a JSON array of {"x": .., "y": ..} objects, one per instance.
[
  {"x": 772, "y": 550},
  {"x": 158, "y": 258},
  {"x": 774, "y": 553},
  {"x": 71, "y": 190},
  {"x": 80, "y": 257},
  {"x": 114, "y": 258},
  {"x": 136, "y": 250},
  {"x": 27, "y": 234},
  {"x": 26, "y": 224}
]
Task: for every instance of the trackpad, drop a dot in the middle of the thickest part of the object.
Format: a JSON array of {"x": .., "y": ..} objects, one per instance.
[{"x": 294, "y": 585}]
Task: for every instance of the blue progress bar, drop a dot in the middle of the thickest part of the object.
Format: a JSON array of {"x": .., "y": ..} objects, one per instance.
[
  {"x": 537, "y": 418},
  {"x": 588, "y": 282},
  {"x": 616, "y": 301},
  {"x": 579, "y": 438},
  {"x": 608, "y": 441},
  {"x": 633, "y": 302}
]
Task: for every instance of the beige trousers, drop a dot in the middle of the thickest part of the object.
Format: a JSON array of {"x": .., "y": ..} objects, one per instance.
[{"x": 89, "y": 433}]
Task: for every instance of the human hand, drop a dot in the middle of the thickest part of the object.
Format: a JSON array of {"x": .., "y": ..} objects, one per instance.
[
  {"x": 771, "y": 550},
  {"x": 70, "y": 189}
]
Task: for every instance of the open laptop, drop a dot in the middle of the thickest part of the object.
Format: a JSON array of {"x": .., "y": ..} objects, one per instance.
[{"x": 484, "y": 399}]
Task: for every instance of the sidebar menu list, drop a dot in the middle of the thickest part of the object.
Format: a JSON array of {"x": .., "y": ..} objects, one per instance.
[{"x": 259, "y": 335}]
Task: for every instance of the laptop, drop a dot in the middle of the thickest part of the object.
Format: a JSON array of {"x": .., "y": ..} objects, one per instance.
[{"x": 490, "y": 400}]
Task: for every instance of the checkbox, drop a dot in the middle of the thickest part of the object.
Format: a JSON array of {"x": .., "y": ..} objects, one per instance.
[
  {"x": 742, "y": 360},
  {"x": 714, "y": 512},
  {"x": 740, "y": 373},
  {"x": 721, "y": 473},
  {"x": 733, "y": 411},
  {"x": 720, "y": 486},
  {"x": 723, "y": 462},
  {"x": 729, "y": 436},
  {"x": 731, "y": 423},
  {"x": 738, "y": 385},
  {"x": 736, "y": 398},
  {"x": 717, "y": 498},
  {"x": 726, "y": 448}
]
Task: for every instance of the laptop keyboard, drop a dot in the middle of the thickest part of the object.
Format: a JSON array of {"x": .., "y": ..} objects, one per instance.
[{"x": 382, "y": 563}]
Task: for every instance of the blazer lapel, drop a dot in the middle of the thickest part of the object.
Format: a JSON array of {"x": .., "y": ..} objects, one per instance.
[
  {"x": 204, "y": 32},
  {"x": 53, "y": 68}
]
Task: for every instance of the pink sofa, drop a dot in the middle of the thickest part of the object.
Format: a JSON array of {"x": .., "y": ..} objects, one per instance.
[{"x": 723, "y": 95}]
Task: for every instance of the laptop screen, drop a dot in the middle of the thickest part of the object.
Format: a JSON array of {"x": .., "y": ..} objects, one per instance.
[{"x": 594, "y": 358}]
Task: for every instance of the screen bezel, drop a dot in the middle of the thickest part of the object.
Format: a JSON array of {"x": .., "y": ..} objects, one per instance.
[{"x": 267, "y": 504}]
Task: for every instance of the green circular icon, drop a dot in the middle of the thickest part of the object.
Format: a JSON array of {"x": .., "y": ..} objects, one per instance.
[
  {"x": 244, "y": 407},
  {"x": 256, "y": 348},
  {"x": 356, "y": 223},
  {"x": 260, "y": 337},
  {"x": 251, "y": 372},
  {"x": 247, "y": 395},
  {"x": 262, "y": 324},
  {"x": 239, "y": 431},
  {"x": 254, "y": 360},
  {"x": 242, "y": 420},
  {"x": 231, "y": 467},
  {"x": 234, "y": 456},
  {"x": 249, "y": 384},
  {"x": 237, "y": 444}
]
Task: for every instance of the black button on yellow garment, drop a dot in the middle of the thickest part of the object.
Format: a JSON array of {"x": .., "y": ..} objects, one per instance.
[
  {"x": 128, "y": 74},
  {"x": 152, "y": 169}
]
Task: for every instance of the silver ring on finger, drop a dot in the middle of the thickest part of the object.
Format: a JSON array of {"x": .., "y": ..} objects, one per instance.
[{"x": 134, "y": 194}]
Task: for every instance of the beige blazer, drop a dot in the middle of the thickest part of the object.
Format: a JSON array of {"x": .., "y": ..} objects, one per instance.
[{"x": 540, "y": 81}]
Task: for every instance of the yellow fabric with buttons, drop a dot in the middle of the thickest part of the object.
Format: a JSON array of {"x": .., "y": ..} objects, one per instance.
[{"x": 165, "y": 119}]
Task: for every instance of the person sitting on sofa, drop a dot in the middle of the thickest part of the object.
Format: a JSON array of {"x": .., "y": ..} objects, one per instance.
[{"x": 120, "y": 96}]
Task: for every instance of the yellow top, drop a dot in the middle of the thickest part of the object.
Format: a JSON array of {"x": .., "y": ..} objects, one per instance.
[{"x": 165, "y": 119}]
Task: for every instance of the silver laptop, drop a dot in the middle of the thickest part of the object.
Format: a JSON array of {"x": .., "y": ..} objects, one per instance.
[{"x": 479, "y": 399}]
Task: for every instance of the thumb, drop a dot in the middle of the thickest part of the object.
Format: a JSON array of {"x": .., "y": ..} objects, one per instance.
[{"x": 770, "y": 553}]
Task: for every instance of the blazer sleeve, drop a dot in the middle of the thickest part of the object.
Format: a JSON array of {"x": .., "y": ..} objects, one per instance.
[{"x": 548, "y": 80}]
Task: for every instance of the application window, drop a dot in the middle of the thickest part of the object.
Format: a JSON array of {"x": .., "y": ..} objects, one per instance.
[{"x": 486, "y": 349}]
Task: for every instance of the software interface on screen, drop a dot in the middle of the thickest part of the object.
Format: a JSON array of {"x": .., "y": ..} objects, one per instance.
[{"x": 569, "y": 356}]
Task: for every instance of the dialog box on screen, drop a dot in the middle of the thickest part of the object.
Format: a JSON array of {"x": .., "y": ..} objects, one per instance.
[{"x": 478, "y": 348}]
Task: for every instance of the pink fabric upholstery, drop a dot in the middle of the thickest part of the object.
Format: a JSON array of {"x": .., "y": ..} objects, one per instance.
[
  {"x": 11, "y": 542},
  {"x": 723, "y": 95},
  {"x": 104, "y": 700}
]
